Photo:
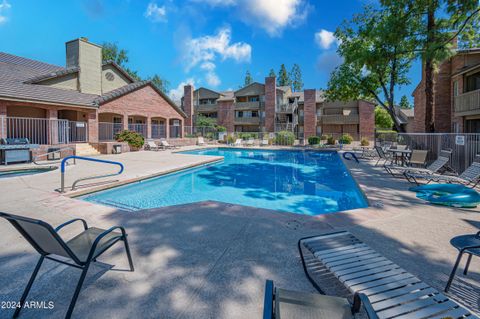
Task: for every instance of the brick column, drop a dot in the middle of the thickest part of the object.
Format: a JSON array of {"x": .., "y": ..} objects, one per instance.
[
  {"x": 366, "y": 126},
  {"x": 92, "y": 122},
  {"x": 309, "y": 114},
  {"x": 270, "y": 102},
  {"x": 226, "y": 115},
  {"x": 125, "y": 122},
  {"x": 52, "y": 116},
  {"x": 167, "y": 128},
  {"x": 182, "y": 127},
  {"x": 188, "y": 103},
  {"x": 3, "y": 120},
  {"x": 149, "y": 127}
]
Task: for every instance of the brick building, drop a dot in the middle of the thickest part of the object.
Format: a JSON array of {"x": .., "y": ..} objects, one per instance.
[
  {"x": 457, "y": 95},
  {"x": 266, "y": 107},
  {"x": 83, "y": 104}
]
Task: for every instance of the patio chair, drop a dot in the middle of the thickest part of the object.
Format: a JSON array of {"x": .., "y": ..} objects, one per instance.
[
  {"x": 167, "y": 146},
  {"x": 391, "y": 290},
  {"x": 250, "y": 142},
  {"x": 264, "y": 142},
  {"x": 152, "y": 146},
  {"x": 81, "y": 250},
  {"x": 200, "y": 141},
  {"x": 281, "y": 303},
  {"x": 470, "y": 177},
  {"x": 412, "y": 174},
  {"x": 238, "y": 142},
  {"x": 418, "y": 158},
  {"x": 383, "y": 156},
  {"x": 465, "y": 244}
]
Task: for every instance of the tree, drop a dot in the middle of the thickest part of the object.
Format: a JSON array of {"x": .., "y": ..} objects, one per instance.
[
  {"x": 272, "y": 73},
  {"x": 111, "y": 52},
  {"x": 160, "y": 83},
  {"x": 383, "y": 120},
  {"x": 283, "y": 79},
  {"x": 203, "y": 121},
  {"x": 248, "y": 79},
  {"x": 404, "y": 103},
  {"x": 377, "y": 54},
  {"x": 296, "y": 77}
]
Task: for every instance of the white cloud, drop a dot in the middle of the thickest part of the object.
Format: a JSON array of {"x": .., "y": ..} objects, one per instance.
[
  {"x": 4, "y": 7},
  {"x": 204, "y": 51},
  {"x": 156, "y": 13},
  {"x": 217, "y": 3},
  {"x": 177, "y": 93},
  {"x": 325, "y": 39},
  {"x": 274, "y": 15}
]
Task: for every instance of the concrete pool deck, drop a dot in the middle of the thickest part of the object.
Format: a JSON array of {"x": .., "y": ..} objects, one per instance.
[{"x": 211, "y": 259}]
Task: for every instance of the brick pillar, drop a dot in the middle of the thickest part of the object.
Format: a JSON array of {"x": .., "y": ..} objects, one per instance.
[
  {"x": 182, "y": 127},
  {"x": 188, "y": 104},
  {"x": 167, "y": 128},
  {"x": 309, "y": 114},
  {"x": 52, "y": 116},
  {"x": 226, "y": 115},
  {"x": 125, "y": 122},
  {"x": 3, "y": 120},
  {"x": 149, "y": 127},
  {"x": 92, "y": 122},
  {"x": 366, "y": 126},
  {"x": 270, "y": 102}
]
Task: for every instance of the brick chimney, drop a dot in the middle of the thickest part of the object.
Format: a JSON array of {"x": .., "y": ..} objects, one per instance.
[
  {"x": 88, "y": 57},
  {"x": 188, "y": 103},
  {"x": 309, "y": 113},
  {"x": 270, "y": 102}
]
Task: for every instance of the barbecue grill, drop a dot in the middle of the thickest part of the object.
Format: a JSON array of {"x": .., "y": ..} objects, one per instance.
[{"x": 15, "y": 150}]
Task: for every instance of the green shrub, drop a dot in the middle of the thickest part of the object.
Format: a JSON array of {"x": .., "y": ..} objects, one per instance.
[
  {"x": 190, "y": 135},
  {"x": 221, "y": 128},
  {"x": 230, "y": 139},
  {"x": 314, "y": 140},
  {"x": 331, "y": 140},
  {"x": 364, "y": 142},
  {"x": 133, "y": 139},
  {"x": 387, "y": 135},
  {"x": 246, "y": 136},
  {"x": 285, "y": 138},
  {"x": 345, "y": 139},
  {"x": 210, "y": 135}
]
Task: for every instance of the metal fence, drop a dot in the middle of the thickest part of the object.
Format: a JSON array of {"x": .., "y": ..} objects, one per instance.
[
  {"x": 175, "y": 131},
  {"x": 139, "y": 128},
  {"x": 159, "y": 131},
  {"x": 44, "y": 131},
  {"x": 464, "y": 146},
  {"x": 207, "y": 132},
  {"x": 108, "y": 130}
]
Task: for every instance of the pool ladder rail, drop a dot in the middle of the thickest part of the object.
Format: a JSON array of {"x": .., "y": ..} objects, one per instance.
[{"x": 74, "y": 157}]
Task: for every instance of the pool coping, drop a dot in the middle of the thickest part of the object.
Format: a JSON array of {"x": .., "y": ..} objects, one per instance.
[{"x": 83, "y": 192}]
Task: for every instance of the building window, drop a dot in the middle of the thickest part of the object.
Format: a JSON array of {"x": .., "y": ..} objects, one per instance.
[
  {"x": 473, "y": 82},
  {"x": 253, "y": 99},
  {"x": 455, "y": 88}
]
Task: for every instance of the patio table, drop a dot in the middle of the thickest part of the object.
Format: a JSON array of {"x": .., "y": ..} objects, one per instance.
[{"x": 403, "y": 155}]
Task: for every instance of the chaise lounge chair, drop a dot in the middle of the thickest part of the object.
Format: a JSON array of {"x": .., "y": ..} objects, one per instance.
[
  {"x": 152, "y": 146},
  {"x": 383, "y": 156},
  {"x": 81, "y": 250},
  {"x": 281, "y": 303},
  {"x": 250, "y": 142},
  {"x": 417, "y": 160},
  {"x": 470, "y": 177},
  {"x": 412, "y": 174},
  {"x": 238, "y": 142},
  {"x": 167, "y": 146},
  {"x": 392, "y": 291},
  {"x": 264, "y": 142}
]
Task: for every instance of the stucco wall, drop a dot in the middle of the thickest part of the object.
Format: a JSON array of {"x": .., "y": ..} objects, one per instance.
[{"x": 119, "y": 79}]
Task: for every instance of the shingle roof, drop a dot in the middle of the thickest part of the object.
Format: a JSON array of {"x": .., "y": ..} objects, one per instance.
[
  {"x": 52, "y": 75},
  {"x": 15, "y": 70}
]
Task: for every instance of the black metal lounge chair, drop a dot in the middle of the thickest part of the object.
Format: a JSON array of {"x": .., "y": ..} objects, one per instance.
[
  {"x": 281, "y": 303},
  {"x": 391, "y": 290},
  {"x": 417, "y": 160},
  {"x": 465, "y": 244},
  {"x": 470, "y": 177},
  {"x": 412, "y": 174},
  {"x": 81, "y": 249},
  {"x": 383, "y": 156}
]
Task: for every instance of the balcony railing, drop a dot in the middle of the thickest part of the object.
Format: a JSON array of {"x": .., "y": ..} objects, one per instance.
[
  {"x": 287, "y": 107},
  {"x": 467, "y": 102},
  {"x": 247, "y": 105},
  {"x": 339, "y": 119},
  {"x": 206, "y": 107},
  {"x": 247, "y": 120}
]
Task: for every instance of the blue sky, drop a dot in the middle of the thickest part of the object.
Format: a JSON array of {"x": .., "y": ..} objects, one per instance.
[{"x": 211, "y": 43}]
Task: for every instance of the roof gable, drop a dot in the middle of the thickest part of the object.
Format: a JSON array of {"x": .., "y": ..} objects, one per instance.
[{"x": 254, "y": 88}]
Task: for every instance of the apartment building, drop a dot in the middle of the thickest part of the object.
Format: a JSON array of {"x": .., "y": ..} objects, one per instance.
[
  {"x": 83, "y": 104},
  {"x": 266, "y": 107},
  {"x": 457, "y": 95}
]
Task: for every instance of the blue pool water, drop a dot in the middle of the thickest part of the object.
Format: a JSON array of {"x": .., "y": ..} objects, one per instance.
[{"x": 304, "y": 182}]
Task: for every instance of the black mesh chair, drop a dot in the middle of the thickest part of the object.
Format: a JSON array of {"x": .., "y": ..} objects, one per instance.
[
  {"x": 81, "y": 250},
  {"x": 465, "y": 244}
]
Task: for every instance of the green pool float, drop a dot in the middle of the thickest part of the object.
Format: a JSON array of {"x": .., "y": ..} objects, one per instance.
[{"x": 448, "y": 195}]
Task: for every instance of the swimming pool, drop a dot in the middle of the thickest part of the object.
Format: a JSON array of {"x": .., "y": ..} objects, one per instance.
[
  {"x": 24, "y": 172},
  {"x": 304, "y": 182}
]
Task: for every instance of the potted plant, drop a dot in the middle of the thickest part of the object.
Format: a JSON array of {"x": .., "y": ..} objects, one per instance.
[{"x": 134, "y": 139}]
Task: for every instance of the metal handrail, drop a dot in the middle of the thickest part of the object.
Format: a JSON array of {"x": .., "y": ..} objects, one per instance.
[
  {"x": 64, "y": 161},
  {"x": 51, "y": 152}
]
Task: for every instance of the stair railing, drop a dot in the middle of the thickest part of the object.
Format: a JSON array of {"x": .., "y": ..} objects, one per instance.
[{"x": 65, "y": 160}]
